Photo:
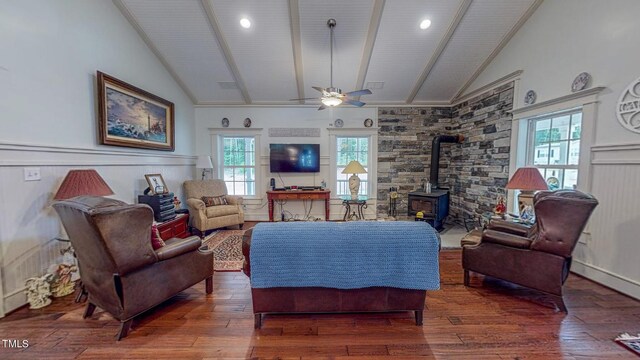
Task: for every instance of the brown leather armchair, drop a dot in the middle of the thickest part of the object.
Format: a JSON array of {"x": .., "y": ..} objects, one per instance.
[
  {"x": 120, "y": 270},
  {"x": 538, "y": 257}
]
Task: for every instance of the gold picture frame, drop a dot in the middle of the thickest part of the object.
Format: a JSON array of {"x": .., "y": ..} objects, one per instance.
[
  {"x": 129, "y": 116},
  {"x": 156, "y": 184}
]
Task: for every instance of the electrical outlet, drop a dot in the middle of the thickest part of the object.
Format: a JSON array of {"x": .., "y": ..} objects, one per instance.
[{"x": 32, "y": 174}]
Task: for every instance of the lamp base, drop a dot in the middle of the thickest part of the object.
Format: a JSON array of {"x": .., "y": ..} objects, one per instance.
[
  {"x": 525, "y": 198},
  {"x": 354, "y": 186}
]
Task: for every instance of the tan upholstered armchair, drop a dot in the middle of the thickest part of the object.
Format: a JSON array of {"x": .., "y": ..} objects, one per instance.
[
  {"x": 120, "y": 270},
  {"x": 538, "y": 257},
  {"x": 205, "y": 218}
]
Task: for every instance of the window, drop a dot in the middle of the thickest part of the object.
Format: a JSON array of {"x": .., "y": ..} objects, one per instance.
[
  {"x": 554, "y": 148},
  {"x": 348, "y": 149},
  {"x": 239, "y": 164}
]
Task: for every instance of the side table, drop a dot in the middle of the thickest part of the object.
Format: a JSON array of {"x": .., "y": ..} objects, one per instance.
[
  {"x": 178, "y": 227},
  {"x": 359, "y": 205}
]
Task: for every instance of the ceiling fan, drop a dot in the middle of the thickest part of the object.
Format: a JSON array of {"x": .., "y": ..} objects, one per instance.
[{"x": 332, "y": 96}]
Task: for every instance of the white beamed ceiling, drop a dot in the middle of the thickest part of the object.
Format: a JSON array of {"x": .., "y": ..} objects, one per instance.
[{"x": 202, "y": 44}]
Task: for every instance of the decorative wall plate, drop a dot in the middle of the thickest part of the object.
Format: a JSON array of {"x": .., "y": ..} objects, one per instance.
[
  {"x": 247, "y": 122},
  {"x": 553, "y": 183},
  {"x": 530, "y": 97},
  {"x": 368, "y": 123},
  {"x": 338, "y": 123},
  {"x": 581, "y": 82},
  {"x": 225, "y": 122}
]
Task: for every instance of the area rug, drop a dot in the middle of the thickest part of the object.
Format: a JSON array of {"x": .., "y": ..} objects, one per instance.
[{"x": 227, "y": 249}]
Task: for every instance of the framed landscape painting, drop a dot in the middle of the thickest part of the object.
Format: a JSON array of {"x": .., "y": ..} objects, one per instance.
[{"x": 132, "y": 117}]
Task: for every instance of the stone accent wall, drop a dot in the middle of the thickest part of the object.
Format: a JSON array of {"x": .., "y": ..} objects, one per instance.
[
  {"x": 480, "y": 167},
  {"x": 404, "y": 151},
  {"x": 475, "y": 171}
]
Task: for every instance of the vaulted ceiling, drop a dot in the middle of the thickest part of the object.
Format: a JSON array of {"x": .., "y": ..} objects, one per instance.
[{"x": 378, "y": 45}]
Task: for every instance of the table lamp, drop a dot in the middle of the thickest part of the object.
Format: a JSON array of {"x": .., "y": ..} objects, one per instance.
[
  {"x": 354, "y": 168},
  {"x": 204, "y": 162},
  {"x": 82, "y": 182},
  {"x": 527, "y": 180}
]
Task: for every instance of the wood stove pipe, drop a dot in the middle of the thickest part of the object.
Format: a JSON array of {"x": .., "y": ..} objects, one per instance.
[{"x": 435, "y": 155}]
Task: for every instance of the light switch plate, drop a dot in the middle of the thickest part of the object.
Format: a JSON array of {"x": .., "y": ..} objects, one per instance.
[{"x": 32, "y": 174}]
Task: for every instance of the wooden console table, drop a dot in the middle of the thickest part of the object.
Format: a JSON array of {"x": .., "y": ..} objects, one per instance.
[{"x": 299, "y": 195}]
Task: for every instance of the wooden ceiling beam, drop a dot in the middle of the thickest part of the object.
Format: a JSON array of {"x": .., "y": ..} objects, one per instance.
[
  {"x": 505, "y": 40},
  {"x": 372, "y": 34},
  {"x": 296, "y": 45},
  {"x": 143, "y": 35},
  {"x": 462, "y": 10},
  {"x": 226, "y": 50}
]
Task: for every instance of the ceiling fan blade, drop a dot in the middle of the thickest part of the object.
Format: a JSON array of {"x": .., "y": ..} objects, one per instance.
[
  {"x": 318, "y": 88},
  {"x": 322, "y": 107},
  {"x": 311, "y": 98},
  {"x": 359, "y": 92},
  {"x": 354, "y": 102}
]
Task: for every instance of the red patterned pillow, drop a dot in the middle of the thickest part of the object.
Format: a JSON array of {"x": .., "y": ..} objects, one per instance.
[
  {"x": 156, "y": 240},
  {"x": 214, "y": 200}
]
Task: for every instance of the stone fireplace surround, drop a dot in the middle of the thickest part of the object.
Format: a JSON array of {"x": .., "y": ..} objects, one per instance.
[{"x": 475, "y": 171}]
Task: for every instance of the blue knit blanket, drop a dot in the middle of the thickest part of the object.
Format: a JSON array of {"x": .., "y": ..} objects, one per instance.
[{"x": 350, "y": 255}]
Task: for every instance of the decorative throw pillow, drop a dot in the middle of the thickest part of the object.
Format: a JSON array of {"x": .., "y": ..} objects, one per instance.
[
  {"x": 156, "y": 240},
  {"x": 214, "y": 200}
]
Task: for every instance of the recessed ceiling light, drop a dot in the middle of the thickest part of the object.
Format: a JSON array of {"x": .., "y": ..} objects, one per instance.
[
  {"x": 245, "y": 23},
  {"x": 425, "y": 24}
]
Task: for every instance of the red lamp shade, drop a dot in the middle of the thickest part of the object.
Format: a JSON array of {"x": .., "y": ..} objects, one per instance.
[
  {"x": 527, "y": 179},
  {"x": 82, "y": 182}
]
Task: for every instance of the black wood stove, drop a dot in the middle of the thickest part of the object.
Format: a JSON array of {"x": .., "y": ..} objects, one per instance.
[{"x": 435, "y": 204}]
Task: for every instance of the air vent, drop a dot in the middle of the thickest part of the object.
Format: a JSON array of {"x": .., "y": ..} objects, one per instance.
[
  {"x": 373, "y": 85},
  {"x": 228, "y": 85}
]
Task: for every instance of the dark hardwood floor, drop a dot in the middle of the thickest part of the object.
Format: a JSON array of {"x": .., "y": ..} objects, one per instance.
[{"x": 490, "y": 320}]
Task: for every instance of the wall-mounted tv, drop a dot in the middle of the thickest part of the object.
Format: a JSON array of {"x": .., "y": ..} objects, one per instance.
[{"x": 294, "y": 157}]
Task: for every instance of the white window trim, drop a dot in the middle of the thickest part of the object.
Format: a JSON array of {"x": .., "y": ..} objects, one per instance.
[
  {"x": 587, "y": 100},
  {"x": 370, "y": 133},
  {"x": 530, "y": 149},
  {"x": 217, "y": 152}
]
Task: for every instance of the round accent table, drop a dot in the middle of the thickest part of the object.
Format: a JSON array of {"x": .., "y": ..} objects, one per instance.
[{"x": 354, "y": 209}]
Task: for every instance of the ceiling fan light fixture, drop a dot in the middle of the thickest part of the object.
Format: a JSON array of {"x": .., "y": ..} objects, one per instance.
[
  {"x": 333, "y": 96},
  {"x": 331, "y": 101}
]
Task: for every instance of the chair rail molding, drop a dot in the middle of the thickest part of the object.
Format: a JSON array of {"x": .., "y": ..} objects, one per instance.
[{"x": 20, "y": 154}]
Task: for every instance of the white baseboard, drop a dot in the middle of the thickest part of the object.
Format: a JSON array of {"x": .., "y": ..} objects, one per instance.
[
  {"x": 14, "y": 300},
  {"x": 607, "y": 278}
]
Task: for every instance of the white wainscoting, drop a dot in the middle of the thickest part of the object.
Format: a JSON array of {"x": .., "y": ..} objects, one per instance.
[
  {"x": 29, "y": 224},
  {"x": 610, "y": 255}
]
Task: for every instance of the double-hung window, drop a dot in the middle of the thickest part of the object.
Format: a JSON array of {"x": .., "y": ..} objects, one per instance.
[
  {"x": 348, "y": 149},
  {"x": 239, "y": 164},
  {"x": 554, "y": 147}
]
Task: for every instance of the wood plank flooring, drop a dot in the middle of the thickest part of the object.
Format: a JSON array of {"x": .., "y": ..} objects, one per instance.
[{"x": 489, "y": 320}]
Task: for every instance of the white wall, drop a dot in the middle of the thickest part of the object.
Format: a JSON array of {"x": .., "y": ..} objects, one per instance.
[
  {"x": 208, "y": 125},
  {"x": 50, "y": 53},
  {"x": 560, "y": 40}
]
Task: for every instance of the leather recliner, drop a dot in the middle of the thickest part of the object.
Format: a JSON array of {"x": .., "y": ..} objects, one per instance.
[
  {"x": 213, "y": 217},
  {"x": 538, "y": 257},
  {"x": 121, "y": 271}
]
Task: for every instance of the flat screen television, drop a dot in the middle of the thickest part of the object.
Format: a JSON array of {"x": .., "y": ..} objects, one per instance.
[{"x": 294, "y": 158}]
